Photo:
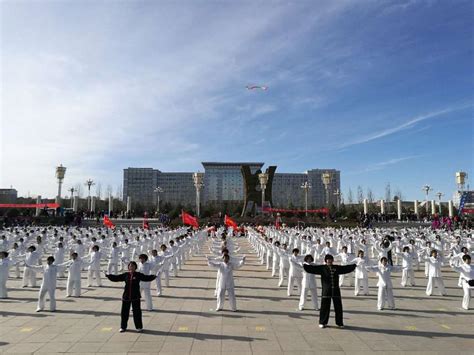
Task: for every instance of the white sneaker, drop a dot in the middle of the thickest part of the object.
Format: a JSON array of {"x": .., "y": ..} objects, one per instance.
[
  {"x": 140, "y": 330},
  {"x": 121, "y": 330},
  {"x": 322, "y": 326}
]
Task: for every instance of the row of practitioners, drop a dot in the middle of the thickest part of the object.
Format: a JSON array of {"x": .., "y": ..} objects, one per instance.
[
  {"x": 159, "y": 263},
  {"x": 290, "y": 267},
  {"x": 114, "y": 255}
]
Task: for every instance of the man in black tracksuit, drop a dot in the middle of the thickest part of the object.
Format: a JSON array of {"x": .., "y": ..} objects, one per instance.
[
  {"x": 330, "y": 288},
  {"x": 131, "y": 294}
]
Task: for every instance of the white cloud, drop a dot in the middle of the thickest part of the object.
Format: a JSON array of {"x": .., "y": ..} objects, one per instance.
[
  {"x": 126, "y": 96},
  {"x": 401, "y": 127}
]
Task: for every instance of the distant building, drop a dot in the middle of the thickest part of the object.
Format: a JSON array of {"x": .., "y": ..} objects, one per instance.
[
  {"x": 223, "y": 182},
  {"x": 8, "y": 195}
]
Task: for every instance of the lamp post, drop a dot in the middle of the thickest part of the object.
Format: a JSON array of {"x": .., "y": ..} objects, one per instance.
[
  {"x": 198, "y": 179},
  {"x": 89, "y": 183},
  {"x": 306, "y": 186},
  {"x": 439, "y": 194},
  {"x": 427, "y": 189},
  {"x": 60, "y": 172},
  {"x": 263, "y": 179},
  {"x": 71, "y": 190},
  {"x": 337, "y": 193},
  {"x": 326, "y": 178},
  {"x": 158, "y": 191}
]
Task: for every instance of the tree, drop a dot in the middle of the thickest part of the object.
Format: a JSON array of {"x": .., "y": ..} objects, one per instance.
[
  {"x": 350, "y": 196},
  {"x": 98, "y": 190},
  {"x": 108, "y": 191},
  {"x": 78, "y": 190},
  {"x": 360, "y": 194},
  {"x": 399, "y": 194},
  {"x": 388, "y": 196},
  {"x": 119, "y": 192},
  {"x": 370, "y": 195}
]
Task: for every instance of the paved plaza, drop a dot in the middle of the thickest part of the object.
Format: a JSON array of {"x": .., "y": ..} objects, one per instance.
[{"x": 267, "y": 322}]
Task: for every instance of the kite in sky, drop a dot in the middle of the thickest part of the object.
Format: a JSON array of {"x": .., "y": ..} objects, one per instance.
[{"x": 256, "y": 87}]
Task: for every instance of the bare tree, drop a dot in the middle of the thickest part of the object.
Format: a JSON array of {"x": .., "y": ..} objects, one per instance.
[
  {"x": 119, "y": 192},
  {"x": 350, "y": 196},
  {"x": 370, "y": 195},
  {"x": 98, "y": 190},
  {"x": 108, "y": 190},
  {"x": 399, "y": 194},
  {"x": 78, "y": 190},
  {"x": 360, "y": 194},
  {"x": 388, "y": 195}
]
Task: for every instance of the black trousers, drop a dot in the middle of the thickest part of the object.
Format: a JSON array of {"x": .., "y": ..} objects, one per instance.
[
  {"x": 326, "y": 308},
  {"x": 137, "y": 314},
  {"x": 389, "y": 257}
]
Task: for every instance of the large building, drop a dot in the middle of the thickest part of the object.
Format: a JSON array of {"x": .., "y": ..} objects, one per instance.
[
  {"x": 8, "y": 195},
  {"x": 223, "y": 182}
]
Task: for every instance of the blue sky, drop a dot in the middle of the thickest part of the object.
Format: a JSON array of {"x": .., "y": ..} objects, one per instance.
[{"x": 381, "y": 90}]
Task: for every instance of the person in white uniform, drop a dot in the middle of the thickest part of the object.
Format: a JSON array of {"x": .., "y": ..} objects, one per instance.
[
  {"x": 466, "y": 272},
  {"x": 226, "y": 281},
  {"x": 295, "y": 275},
  {"x": 146, "y": 267},
  {"x": 5, "y": 264},
  {"x": 435, "y": 278},
  {"x": 385, "y": 293},
  {"x": 94, "y": 267},
  {"x": 308, "y": 284},
  {"x": 48, "y": 286},
  {"x": 29, "y": 274}
]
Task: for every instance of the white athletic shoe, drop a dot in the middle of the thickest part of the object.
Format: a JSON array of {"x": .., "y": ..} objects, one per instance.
[
  {"x": 121, "y": 330},
  {"x": 322, "y": 326}
]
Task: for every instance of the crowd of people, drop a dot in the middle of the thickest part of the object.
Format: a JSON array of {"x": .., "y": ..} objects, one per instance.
[
  {"x": 142, "y": 258},
  {"x": 295, "y": 255}
]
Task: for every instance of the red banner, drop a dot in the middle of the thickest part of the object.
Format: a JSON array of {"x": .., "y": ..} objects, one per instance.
[
  {"x": 229, "y": 222},
  {"x": 108, "y": 223},
  {"x": 468, "y": 210},
  {"x": 281, "y": 210},
  {"x": 30, "y": 205},
  {"x": 189, "y": 220}
]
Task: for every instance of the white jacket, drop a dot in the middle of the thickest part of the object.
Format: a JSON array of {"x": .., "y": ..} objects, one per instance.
[
  {"x": 384, "y": 273},
  {"x": 309, "y": 280},
  {"x": 226, "y": 279}
]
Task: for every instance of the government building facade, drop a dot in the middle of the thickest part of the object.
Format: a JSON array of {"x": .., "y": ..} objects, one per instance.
[{"x": 223, "y": 182}]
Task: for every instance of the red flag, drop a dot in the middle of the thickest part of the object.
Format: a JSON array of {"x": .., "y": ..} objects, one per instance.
[
  {"x": 108, "y": 223},
  {"x": 189, "y": 220},
  {"x": 146, "y": 225},
  {"x": 229, "y": 222}
]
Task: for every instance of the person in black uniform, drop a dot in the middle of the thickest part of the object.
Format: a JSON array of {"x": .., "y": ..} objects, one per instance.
[
  {"x": 131, "y": 295},
  {"x": 330, "y": 288}
]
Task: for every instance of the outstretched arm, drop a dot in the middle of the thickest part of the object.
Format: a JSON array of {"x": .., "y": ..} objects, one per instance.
[
  {"x": 146, "y": 278},
  {"x": 116, "y": 278},
  {"x": 345, "y": 269},
  {"x": 313, "y": 269}
]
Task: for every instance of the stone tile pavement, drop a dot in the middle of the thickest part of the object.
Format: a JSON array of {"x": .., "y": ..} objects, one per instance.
[{"x": 268, "y": 322}]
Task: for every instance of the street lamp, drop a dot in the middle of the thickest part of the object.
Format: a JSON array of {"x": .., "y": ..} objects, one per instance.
[
  {"x": 439, "y": 194},
  {"x": 306, "y": 186},
  {"x": 89, "y": 183},
  {"x": 326, "y": 178},
  {"x": 337, "y": 193},
  {"x": 427, "y": 189},
  {"x": 72, "y": 189},
  {"x": 60, "y": 172},
  {"x": 158, "y": 191},
  {"x": 198, "y": 179},
  {"x": 263, "y": 178}
]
